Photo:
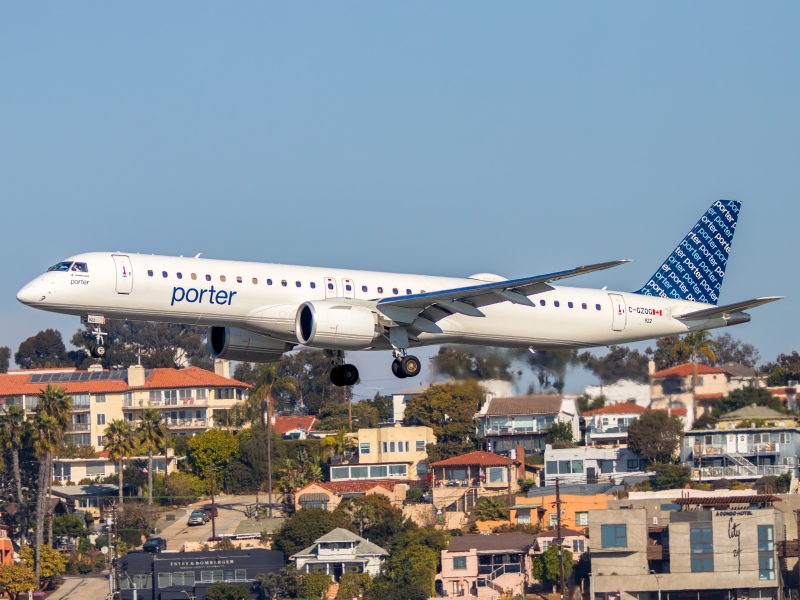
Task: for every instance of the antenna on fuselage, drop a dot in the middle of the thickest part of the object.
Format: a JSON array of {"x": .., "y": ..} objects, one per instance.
[{"x": 198, "y": 255}]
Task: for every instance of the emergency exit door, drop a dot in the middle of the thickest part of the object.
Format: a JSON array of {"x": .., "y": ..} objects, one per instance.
[{"x": 122, "y": 263}]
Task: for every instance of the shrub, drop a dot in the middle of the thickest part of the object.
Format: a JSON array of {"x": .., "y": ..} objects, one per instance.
[
  {"x": 721, "y": 484},
  {"x": 669, "y": 477},
  {"x": 414, "y": 495},
  {"x": 315, "y": 585},
  {"x": 352, "y": 585},
  {"x": 227, "y": 591},
  {"x": 526, "y": 484}
]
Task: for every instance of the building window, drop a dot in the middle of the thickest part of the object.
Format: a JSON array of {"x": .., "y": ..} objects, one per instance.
[
  {"x": 553, "y": 520},
  {"x": 614, "y": 536},
  {"x": 524, "y": 517},
  {"x": 364, "y": 448},
  {"x": 545, "y": 545},
  {"x": 582, "y": 518},
  {"x": 101, "y": 419},
  {"x": 459, "y": 563},
  {"x": 766, "y": 567},
  {"x": 391, "y": 446},
  {"x": 497, "y": 474},
  {"x": 633, "y": 464},
  {"x": 378, "y": 472},
  {"x": 398, "y": 471},
  {"x": 359, "y": 472},
  {"x": 420, "y": 446},
  {"x": 702, "y": 547},
  {"x": 577, "y": 545},
  {"x": 422, "y": 469},
  {"x": 100, "y": 398},
  {"x": 766, "y": 542},
  {"x": 606, "y": 466}
]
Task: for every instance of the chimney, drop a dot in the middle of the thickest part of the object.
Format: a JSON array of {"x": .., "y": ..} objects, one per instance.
[
  {"x": 135, "y": 376},
  {"x": 95, "y": 368},
  {"x": 521, "y": 459},
  {"x": 222, "y": 368},
  {"x": 651, "y": 367}
]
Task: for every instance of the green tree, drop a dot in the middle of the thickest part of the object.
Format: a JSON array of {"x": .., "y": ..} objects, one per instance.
[
  {"x": 473, "y": 362},
  {"x": 151, "y": 432},
  {"x": 335, "y": 416},
  {"x": 45, "y": 443},
  {"x": 384, "y": 588},
  {"x": 666, "y": 355},
  {"x": 16, "y": 579},
  {"x": 227, "y": 591},
  {"x": 620, "y": 362},
  {"x": 119, "y": 442},
  {"x": 696, "y": 344},
  {"x": 745, "y": 397},
  {"x": 311, "y": 370},
  {"x": 52, "y": 563},
  {"x": 546, "y": 566},
  {"x": 559, "y": 431},
  {"x": 449, "y": 410},
  {"x": 12, "y": 424},
  {"x": 587, "y": 402},
  {"x": 340, "y": 442},
  {"x": 655, "y": 435},
  {"x": 550, "y": 367},
  {"x": 69, "y": 525},
  {"x": 5, "y": 356},
  {"x": 374, "y": 518},
  {"x": 383, "y": 405},
  {"x": 288, "y": 582},
  {"x": 353, "y": 585},
  {"x": 315, "y": 585},
  {"x": 415, "y": 566},
  {"x": 668, "y": 476},
  {"x": 45, "y": 349},
  {"x": 305, "y": 526},
  {"x": 732, "y": 350},
  {"x": 784, "y": 368},
  {"x": 491, "y": 508},
  {"x": 214, "y": 447}
]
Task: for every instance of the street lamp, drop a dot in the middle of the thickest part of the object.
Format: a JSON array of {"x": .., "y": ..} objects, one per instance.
[{"x": 658, "y": 583}]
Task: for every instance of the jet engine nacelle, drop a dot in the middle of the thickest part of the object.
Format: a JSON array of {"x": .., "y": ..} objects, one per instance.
[
  {"x": 335, "y": 325},
  {"x": 231, "y": 343}
]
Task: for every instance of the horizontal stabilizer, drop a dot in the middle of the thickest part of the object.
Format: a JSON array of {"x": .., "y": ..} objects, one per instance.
[{"x": 719, "y": 312}]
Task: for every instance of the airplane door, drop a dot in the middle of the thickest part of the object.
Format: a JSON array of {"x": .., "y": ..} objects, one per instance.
[
  {"x": 330, "y": 288},
  {"x": 349, "y": 288},
  {"x": 620, "y": 316},
  {"x": 124, "y": 273}
]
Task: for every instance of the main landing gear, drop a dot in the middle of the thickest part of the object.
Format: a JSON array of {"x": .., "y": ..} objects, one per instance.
[
  {"x": 405, "y": 366},
  {"x": 342, "y": 374}
]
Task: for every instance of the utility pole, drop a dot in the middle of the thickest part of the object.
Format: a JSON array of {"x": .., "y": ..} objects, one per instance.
[
  {"x": 348, "y": 390},
  {"x": 269, "y": 456},
  {"x": 560, "y": 542},
  {"x": 213, "y": 507},
  {"x": 797, "y": 519},
  {"x": 115, "y": 551}
]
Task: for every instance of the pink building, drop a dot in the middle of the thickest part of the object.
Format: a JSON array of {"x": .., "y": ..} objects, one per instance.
[{"x": 574, "y": 541}]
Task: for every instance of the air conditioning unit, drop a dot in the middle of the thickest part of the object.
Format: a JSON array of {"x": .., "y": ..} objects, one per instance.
[{"x": 655, "y": 520}]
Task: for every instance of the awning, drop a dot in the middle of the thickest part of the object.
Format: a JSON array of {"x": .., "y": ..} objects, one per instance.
[{"x": 314, "y": 498}]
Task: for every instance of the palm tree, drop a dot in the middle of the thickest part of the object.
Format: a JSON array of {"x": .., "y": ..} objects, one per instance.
[
  {"x": 57, "y": 404},
  {"x": 339, "y": 442},
  {"x": 12, "y": 423},
  {"x": 697, "y": 342},
  {"x": 490, "y": 508},
  {"x": 45, "y": 443},
  {"x": 151, "y": 435},
  {"x": 119, "y": 438}
]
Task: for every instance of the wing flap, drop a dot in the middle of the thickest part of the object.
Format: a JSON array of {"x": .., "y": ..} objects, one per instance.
[{"x": 721, "y": 312}]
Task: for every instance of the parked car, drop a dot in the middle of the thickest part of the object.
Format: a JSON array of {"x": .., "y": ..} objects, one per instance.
[
  {"x": 155, "y": 545},
  {"x": 198, "y": 517},
  {"x": 211, "y": 511}
]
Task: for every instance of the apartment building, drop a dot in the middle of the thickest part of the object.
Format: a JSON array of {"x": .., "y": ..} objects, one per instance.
[
  {"x": 508, "y": 422},
  {"x": 672, "y": 388},
  {"x": 742, "y": 454},
  {"x": 591, "y": 464},
  {"x": 717, "y": 548},
  {"x": 190, "y": 398},
  {"x": 539, "y": 507},
  {"x": 609, "y": 425}
]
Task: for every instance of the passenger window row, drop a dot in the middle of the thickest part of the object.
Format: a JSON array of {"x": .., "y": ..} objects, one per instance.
[
  {"x": 557, "y": 303},
  {"x": 223, "y": 279}
]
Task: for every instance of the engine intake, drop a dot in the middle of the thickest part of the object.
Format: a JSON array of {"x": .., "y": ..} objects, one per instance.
[
  {"x": 232, "y": 343},
  {"x": 335, "y": 326}
]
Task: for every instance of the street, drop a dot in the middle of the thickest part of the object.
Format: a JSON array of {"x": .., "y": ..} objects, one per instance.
[{"x": 93, "y": 587}]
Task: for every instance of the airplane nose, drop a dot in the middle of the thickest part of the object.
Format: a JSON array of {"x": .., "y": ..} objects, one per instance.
[{"x": 29, "y": 294}]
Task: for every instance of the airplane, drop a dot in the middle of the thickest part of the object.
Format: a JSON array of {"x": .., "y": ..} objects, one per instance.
[{"x": 258, "y": 311}]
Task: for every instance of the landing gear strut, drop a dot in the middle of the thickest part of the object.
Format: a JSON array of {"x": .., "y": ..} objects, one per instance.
[
  {"x": 405, "y": 365},
  {"x": 342, "y": 374},
  {"x": 99, "y": 349}
]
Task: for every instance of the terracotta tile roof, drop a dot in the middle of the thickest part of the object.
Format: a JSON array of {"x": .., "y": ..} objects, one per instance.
[
  {"x": 727, "y": 500},
  {"x": 678, "y": 412},
  {"x": 284, "y": 425},
  {"x": 525, "y": 405},
  {"x": 343, "y": 487},
  {"x": 473, "y": 459},
  {"x": 685, "y": 370},
  {"x": 716, "y": 396},
  {"x": 622, "y": 408},
  {"x": 17, "y": 383}
]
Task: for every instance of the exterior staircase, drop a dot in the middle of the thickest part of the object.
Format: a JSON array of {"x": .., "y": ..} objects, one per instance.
[
  {"x": 742, "y": 462},
  {"x": 333, "y": 591}
]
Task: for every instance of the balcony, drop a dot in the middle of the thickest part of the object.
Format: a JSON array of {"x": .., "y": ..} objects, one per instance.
[
  {"x": 744, "y": 449},
  {"x": 512, "y": 430},
  {"x": 174, "y": 403},
  {"x": 657, "y": 552},
  {"x": 186, "y": 423},
  {"x": 76, "y": 427},
  {"x": 736, "y": 472},
  {"x": 80, "y": 406}
]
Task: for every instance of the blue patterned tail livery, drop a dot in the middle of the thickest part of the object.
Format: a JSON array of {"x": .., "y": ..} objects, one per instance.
[{"x": 694, "y": 271}]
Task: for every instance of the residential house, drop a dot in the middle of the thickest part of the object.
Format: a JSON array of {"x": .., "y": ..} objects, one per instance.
[
  {"x": 623, "y": 390},
  {"x": 672, "y": 388},
  {"x": 327, "y": 495},
  {"x": 400, "y": 401},
  {"x": 755, "y": 415},
  {"x": 576, "y": 502},
  {"x": 707, "y": 547},
  {"x": 394, "y": 452},
  {"x": 339, "y": 552},
  {"x": 508, "y": 422},
  {"x": 191, "y": 399},
  {"x": 293, "y": 427},
  {"x": 742, "y": 376},
  {"x": 574, "y": 541},
  {"x": 6, "y": 548},
  {"x": 609, "y": 425},
  {"x": 92, "y": 498},
  {"x": 742, "y": 454},
  {"x": 486, "y": 565},
  {"x": 591, "y": 464},
  {"x": 67, "y": 470}
]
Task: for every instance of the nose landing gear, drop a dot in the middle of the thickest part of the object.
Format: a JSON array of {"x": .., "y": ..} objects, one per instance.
[{"x": 99, "y": 350}]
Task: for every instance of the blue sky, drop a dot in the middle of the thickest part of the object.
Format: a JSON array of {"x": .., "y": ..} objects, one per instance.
[{"x": 440, "y": 138}]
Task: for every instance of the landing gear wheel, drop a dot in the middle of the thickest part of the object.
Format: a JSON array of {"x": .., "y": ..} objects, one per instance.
[
  {"x": 410, "y": 366},
  {"x": 348, "y": 374},
  {"x": 397, "y": 370},
  {"x": 99, "y": 351},
  {"x": 336, "y": 376}
]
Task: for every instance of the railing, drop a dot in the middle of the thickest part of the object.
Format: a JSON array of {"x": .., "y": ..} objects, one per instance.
[
  {"x": 600, "y": 430},
  {"x": 80, "y": 406},
  {"x": 168, "y": 402},
  {"x": 494, "y": 571},
  {"x": 657, "y": 552},
  {"x": 720, "y": 449},
  {"x": 511, "y": 430},
  {"x": 79, "y": 426},
  {"x": 708, "y": 473},
  {"x": 177, "y": 423}
]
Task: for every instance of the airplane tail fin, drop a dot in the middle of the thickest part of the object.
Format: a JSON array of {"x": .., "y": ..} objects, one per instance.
[{"x": 695, "y": 269}]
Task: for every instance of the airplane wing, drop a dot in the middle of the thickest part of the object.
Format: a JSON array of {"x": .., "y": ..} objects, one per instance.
[
  {"x": 468, "y": 300},
  {"x": 717, "y": 312}
]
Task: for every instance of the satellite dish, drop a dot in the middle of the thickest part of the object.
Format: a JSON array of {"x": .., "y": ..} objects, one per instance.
[{"x": 104, "y": 549}]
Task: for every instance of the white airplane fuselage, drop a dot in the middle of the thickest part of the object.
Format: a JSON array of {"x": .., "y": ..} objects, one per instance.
[{"x": 264, "y": 298}]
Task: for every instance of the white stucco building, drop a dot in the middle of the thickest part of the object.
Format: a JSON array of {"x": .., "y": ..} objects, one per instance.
[{"x": 339, "y": 552}]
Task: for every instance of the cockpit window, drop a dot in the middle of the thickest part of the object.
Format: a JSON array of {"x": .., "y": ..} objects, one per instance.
[
  {"x": 80, "y": 267},
  {"x": 62, "y": 266}
]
